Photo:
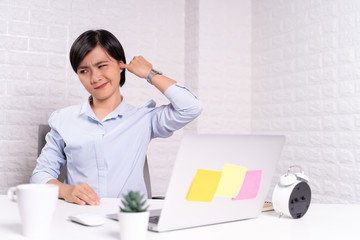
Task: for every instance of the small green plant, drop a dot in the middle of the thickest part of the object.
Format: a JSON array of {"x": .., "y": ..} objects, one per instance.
[{"x": 134, "y": 202}]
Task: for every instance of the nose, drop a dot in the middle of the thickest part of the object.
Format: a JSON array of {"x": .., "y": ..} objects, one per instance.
[{"x": 95, "y": 77}]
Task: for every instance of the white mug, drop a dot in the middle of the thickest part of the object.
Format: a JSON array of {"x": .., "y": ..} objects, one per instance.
[{"x": 37, "y": 204}]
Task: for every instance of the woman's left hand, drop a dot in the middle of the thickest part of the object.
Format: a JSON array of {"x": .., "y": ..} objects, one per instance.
[{"x": 138, "y": 66}]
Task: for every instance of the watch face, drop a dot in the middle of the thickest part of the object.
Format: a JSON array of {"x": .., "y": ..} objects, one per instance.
[{"x": 299, "y": 201}]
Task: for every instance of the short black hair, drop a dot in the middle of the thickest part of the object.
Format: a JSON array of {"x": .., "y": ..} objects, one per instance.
[{"x": 88, "y": 40}]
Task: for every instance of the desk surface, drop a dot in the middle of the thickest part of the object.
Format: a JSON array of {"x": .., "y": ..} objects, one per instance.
[{"x": 322, "y": 221}]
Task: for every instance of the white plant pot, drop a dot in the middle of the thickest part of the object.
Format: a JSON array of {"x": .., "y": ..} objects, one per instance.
[{"x": 133, "y": 225}]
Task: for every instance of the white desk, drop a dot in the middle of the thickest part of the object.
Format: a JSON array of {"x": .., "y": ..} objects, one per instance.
[{"x": 323, "y": 221}]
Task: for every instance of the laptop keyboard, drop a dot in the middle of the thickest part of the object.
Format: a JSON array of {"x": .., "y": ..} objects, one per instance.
[{"x": 154, "y": 219}]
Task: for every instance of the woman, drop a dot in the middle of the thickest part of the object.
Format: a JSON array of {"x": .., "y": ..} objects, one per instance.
[{"x": 104, "y": 140}]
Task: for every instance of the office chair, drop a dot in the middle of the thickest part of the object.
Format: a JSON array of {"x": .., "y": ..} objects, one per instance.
[{"x": 44, "y": 129}]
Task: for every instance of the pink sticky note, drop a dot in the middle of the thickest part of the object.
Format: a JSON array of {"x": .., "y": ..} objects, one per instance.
[{"x": 251, "y": 185}]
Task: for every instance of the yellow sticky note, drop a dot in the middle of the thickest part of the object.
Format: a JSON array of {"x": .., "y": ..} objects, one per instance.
[
  {"x": 231, "y": 180},
  {"x": 204, "y": 185}
]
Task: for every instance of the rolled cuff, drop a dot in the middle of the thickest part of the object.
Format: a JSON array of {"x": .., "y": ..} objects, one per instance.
[{"x": 40, "y": 178}]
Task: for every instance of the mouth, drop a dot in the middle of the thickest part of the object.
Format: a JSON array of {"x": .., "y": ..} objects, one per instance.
[{"x": 101, "y": 86}]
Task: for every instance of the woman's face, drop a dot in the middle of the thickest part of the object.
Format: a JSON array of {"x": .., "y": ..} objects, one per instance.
[{"x": 100, "y": 74}]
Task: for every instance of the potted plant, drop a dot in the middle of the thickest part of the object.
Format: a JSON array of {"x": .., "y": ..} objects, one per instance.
[{"x": 133, "y": 216}]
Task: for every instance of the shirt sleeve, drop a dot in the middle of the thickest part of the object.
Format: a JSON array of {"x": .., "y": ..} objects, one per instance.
[
  {"x": 183, "y": 108},
  {"x": 52, "y": 157}
]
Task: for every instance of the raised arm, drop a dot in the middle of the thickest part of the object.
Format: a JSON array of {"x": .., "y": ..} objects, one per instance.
[{"x": 184, "y": 105}]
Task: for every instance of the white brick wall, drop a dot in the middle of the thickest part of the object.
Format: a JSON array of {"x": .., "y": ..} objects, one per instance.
[
  {"x": 305, "y": 84},
  {"x": 224, "y": 59}
]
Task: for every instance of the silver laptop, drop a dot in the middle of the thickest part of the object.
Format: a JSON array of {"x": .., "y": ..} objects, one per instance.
[{"x": 218, "y": 178}]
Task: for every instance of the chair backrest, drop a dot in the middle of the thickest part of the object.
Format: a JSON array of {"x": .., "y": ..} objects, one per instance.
[{"x": 44, "y": 129}]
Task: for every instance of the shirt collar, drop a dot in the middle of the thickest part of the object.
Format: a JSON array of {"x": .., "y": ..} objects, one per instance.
[{"x": 119, "y": 111}]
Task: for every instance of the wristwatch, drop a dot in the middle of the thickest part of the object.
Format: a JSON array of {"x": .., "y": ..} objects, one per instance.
[{"x": 152, "y": 73}]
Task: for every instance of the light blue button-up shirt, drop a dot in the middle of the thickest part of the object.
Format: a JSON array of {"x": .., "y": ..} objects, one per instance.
[{"x": 109, "y": 155}]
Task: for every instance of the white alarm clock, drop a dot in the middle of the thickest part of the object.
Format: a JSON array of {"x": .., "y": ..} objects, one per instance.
[{"x": 292, "y": 195}]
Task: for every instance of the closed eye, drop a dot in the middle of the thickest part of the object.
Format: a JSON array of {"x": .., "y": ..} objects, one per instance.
[{"x": 101, "y": 66}]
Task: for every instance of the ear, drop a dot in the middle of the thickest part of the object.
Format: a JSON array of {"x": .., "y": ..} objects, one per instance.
[{"x": 122, "y": 65}]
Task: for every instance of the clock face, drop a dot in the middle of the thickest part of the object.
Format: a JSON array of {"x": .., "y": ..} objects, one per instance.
[{"x": 299, "y": 201}]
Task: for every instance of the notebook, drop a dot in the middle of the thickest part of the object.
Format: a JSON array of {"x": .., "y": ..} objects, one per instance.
[{"x": 217, "y": 179}]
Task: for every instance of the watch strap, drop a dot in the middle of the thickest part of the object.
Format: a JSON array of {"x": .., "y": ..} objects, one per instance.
[{"x": 152, "y": 73}]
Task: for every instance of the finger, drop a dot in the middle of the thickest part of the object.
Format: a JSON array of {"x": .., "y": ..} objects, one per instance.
[
  {"x": 78, "y": 201},
  {"x": 123, "y": 65},
  {"x": 86, "y": 189},
  {"x": 74, "y": 199},
  {"x": 138, "y": 59},
  {"x": 90, "y": 190},
  {"x": 86, "y": 198},
  {"x": 92, "y": 194}
]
